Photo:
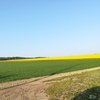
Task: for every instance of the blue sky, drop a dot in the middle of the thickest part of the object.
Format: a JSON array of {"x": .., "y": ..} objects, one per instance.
[{"x": 49, "y": 27}]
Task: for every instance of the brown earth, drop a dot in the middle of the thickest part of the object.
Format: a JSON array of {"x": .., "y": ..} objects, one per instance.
[{"x": 31, "y": 89}]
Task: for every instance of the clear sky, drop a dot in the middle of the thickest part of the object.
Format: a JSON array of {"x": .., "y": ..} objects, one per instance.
[{"x": 49, "y": 27}]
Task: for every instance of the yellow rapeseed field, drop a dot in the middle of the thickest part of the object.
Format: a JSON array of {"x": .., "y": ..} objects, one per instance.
[{"x": 89, "y": 56}]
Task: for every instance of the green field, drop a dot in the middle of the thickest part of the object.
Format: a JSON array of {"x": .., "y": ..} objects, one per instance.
[{"x": 10, "y": 71}]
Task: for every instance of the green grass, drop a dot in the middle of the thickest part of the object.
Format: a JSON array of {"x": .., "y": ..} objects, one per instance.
[
  {"x": 10, "y": 71},
  {"x": 84, "y": 86}
]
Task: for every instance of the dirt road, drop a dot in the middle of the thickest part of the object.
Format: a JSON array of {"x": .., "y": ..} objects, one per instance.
[{"x": 31, "y": 89}]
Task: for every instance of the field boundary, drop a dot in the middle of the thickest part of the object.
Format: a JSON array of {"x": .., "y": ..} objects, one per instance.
[{"x": 38, "y": 80}]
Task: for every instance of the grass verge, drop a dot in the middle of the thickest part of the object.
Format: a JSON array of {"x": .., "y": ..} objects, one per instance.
[{"x": 84, "y": 86}]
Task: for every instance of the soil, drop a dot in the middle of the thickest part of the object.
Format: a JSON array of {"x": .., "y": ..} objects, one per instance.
[{"x": 31, "y": 89}]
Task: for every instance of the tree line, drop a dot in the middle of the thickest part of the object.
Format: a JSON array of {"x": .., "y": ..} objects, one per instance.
[{"x": 11, "y": 58}]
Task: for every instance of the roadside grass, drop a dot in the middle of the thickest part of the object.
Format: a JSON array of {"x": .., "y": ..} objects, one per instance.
[
  {"x": 10, "y": 71},
  {"x": 84, "y": 86}
]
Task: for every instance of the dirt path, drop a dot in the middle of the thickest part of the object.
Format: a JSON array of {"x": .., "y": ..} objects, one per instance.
[{"x": 31, "y": 89}]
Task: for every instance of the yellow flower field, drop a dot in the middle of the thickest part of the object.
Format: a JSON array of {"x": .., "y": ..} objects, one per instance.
[{"x": 89, "y": 56}]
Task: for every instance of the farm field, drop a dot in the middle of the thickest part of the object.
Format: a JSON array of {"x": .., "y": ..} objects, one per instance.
[
  {"x": 10, "y": 71},
  {"x": 89, "y": 56}
]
